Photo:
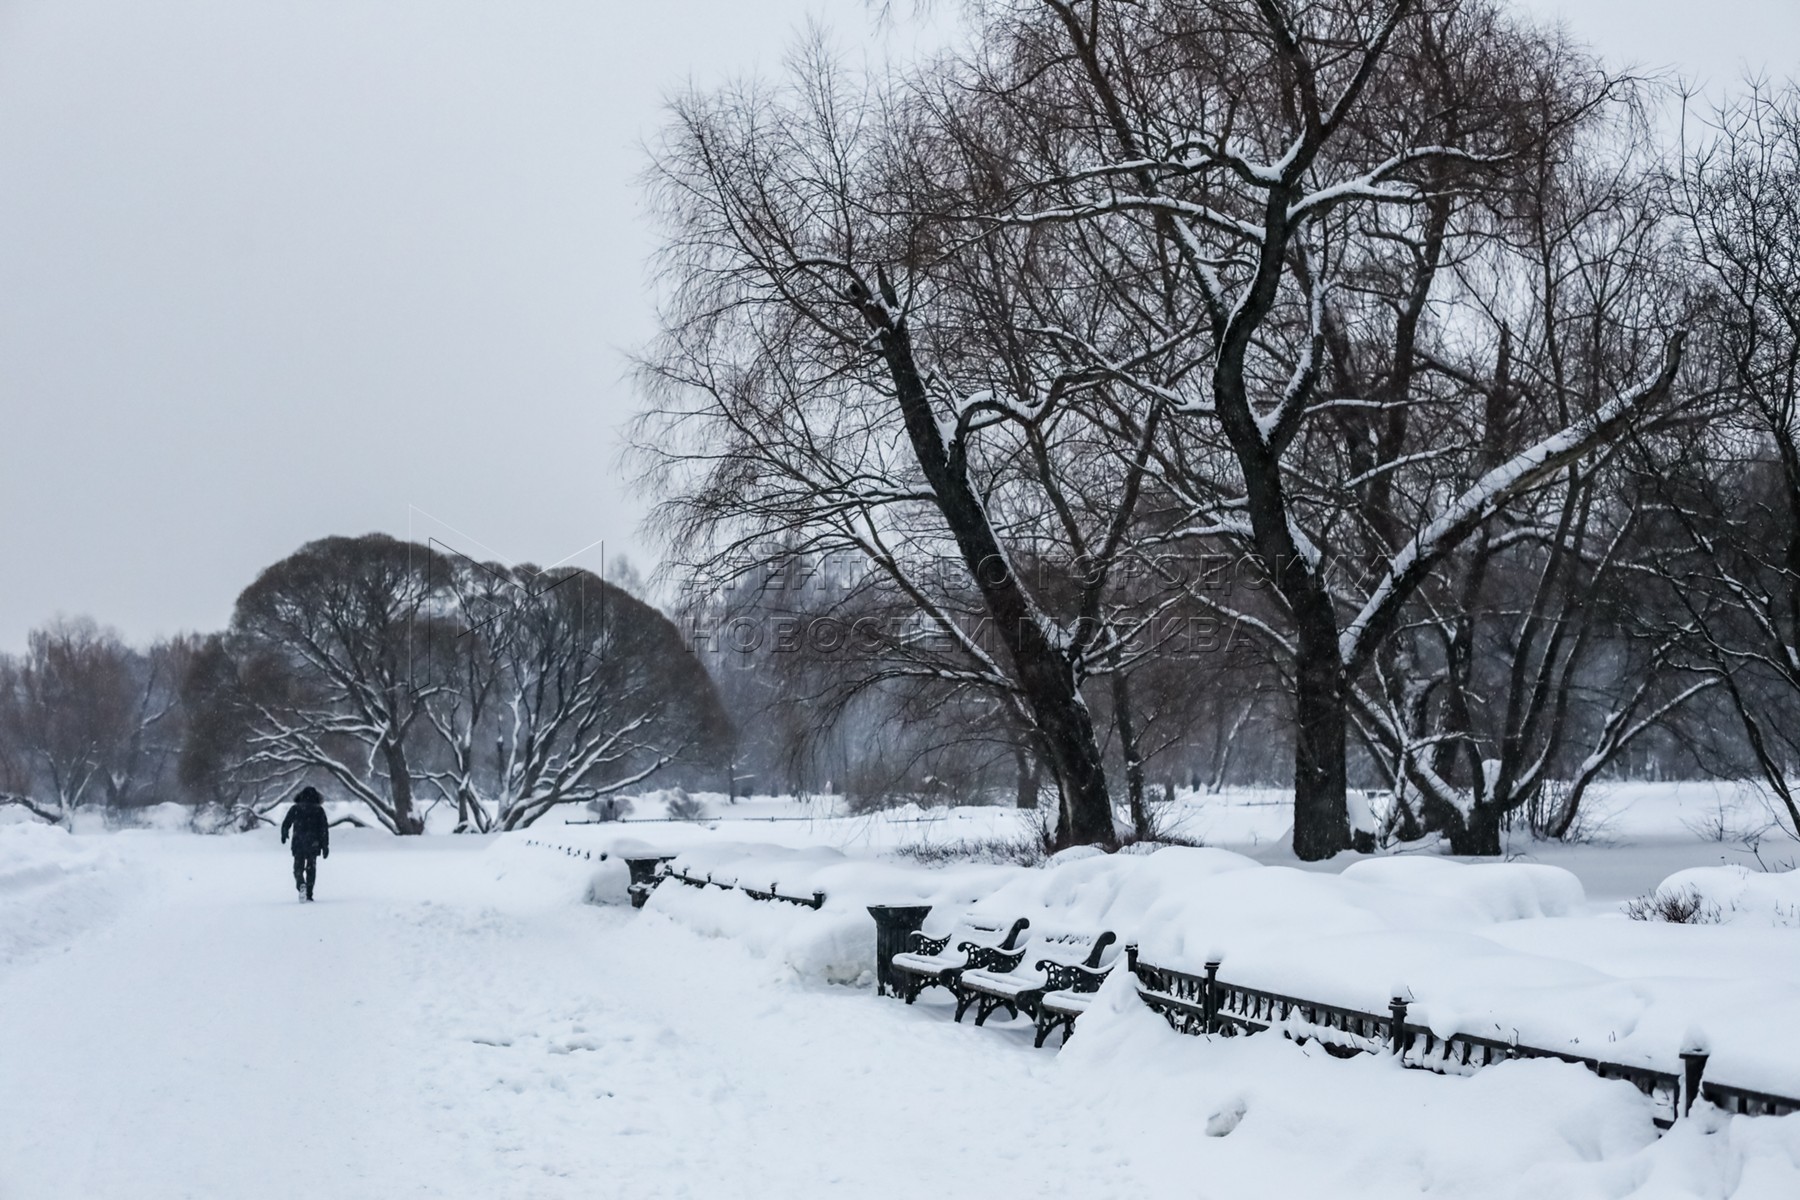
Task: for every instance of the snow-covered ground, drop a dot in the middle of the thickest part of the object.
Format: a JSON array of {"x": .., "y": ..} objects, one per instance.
[{"x": 451, "y": 1020}]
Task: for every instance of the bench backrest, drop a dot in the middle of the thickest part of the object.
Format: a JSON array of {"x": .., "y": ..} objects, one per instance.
[
  {"x": 1065, "y": 946},
  {"x": 989, "y": 933}
]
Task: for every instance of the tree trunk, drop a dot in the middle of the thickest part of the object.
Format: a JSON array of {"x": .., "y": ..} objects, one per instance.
[
  {"x": 1321, "y": 810},
  {"x": 1030, "y": 771},
  {"x": 400, "y": 788},
  {"x": 1128, "y": 749},
  {"x": 1045, "y": 675},
  {"x": 1478, "y": 833}
]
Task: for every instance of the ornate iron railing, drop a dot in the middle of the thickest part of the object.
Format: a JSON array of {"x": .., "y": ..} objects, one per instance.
[
  {"x": 1205, "y": 1004},
  {"x": 816, "y": 900}
]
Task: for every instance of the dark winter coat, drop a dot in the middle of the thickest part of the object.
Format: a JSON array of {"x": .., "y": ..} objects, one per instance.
[{"x": 310, "y": 827}]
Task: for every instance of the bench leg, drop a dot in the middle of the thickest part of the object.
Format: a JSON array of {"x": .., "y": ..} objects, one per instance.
[
  {"x": 1045, "y": 1023},
  {"x": 963, "y": 1000},
  {"x": 990, "y": 1004}
]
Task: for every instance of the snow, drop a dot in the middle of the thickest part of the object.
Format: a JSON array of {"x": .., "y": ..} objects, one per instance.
[
  {"x": 451, "y": 1019},
  {"x": 1736, "y": 893},
  {"x": 53, "y": 888}
]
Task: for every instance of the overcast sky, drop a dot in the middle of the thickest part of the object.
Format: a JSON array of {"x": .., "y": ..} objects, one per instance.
[{"x": 275, "y": 269}]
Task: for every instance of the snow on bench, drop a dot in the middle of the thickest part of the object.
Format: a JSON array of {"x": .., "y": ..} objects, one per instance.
[
  {"x": 1071, "y": 964},
  {"x": 1070, "y": 993},
  {"x": 932, "y": 963}
]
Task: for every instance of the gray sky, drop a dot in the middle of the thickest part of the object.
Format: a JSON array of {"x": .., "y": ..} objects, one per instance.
[{"x": 274, "y": 269}]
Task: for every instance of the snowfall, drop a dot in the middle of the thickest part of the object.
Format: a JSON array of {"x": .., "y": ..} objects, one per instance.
[{"x": 488, "y": 1016}]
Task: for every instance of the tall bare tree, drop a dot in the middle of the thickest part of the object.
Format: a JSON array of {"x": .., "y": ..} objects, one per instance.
[
  {"x": 580, "y": 689},
  {"x": 335, "y": 642},
  {"x": 82, "y": 717},
  {"x": 1734, "y": 489},
  {"x": 1122, "y": 279}
]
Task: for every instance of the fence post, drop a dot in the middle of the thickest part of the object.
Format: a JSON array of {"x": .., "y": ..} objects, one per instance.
[
  {"x": 1209, "y": 1000},
  {"x": 1397, "y": 1033},
  {"x": 1693, "y": 1066}
]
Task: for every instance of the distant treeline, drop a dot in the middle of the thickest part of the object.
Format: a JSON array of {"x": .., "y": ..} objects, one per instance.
[{"x": 386, "y": 672}]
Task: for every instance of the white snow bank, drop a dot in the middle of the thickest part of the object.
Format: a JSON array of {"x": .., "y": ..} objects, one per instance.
[
  {"x": 1490, "y": 891},
  {"x": 1496, "y": 949},
  {"x": 1282, "y": 1119},
  {"x": 830, "y": 945},
  {"x": 167, "y": 817},
  {"x": 1739, "y": 894},
  {"x": 53, "y": 887},
  {"x": 544, "y": 873}
]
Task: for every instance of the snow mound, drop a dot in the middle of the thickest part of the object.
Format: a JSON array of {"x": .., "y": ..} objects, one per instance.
[
  {"x": 546, "y": 873},
  {"x": 37, "y": 855},
  {"x": 1484, "y": 891},
  {"x": 824, "y": 946},
  {"x": 53, "y": 887},
  {"x": 1739, "y": 894}
]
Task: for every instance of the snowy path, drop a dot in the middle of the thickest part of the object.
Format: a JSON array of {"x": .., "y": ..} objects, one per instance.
[
  {"x": 426, "y": 1031},
  {"x": 452, "y": 1023}
]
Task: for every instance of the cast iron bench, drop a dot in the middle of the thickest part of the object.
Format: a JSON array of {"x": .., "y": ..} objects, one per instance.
[
  {"x": 1072, "y": 966},
  {"x": 1068, "y": 991},
  {"x": 932, "y": 963}
]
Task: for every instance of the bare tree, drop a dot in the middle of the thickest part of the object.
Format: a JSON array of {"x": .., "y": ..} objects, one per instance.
[
  {"x": 79, "y": 715},
  {"x": 1521, "y": 646},
  {"x": 1734, "y": 490},
  {"x": 334, "y": 642},
  {"x": 1124, "y": 278},
  {"x": 1301, "y": 177},
  {"x": 221, "y": 695},
  {"x": 804, "y": 397},
  {"x": 583, "y": 690}
]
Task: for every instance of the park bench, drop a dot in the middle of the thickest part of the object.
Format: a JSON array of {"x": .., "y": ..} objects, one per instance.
[
  {"x": 1071, "y": 964},
  {"x": 931, "y": 962},
  {"x": 1068, "y": 991}
]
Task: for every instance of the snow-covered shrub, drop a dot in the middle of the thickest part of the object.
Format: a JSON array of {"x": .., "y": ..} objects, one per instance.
[
  {"x": 683, "y": 807},
  {"x": 1732, "y": 894},
  {"x": 1677, "y": 906},
  {"x": 1023, "y": 851},
  {"x": 610, "y": 808}
]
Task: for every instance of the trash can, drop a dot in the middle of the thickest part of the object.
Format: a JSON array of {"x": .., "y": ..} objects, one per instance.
[
  {"x": 644, "y": 876},
  {"x": 893, "y": 922}
]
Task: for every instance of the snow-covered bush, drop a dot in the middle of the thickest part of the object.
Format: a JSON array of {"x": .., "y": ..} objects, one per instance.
[
  {"x": 1716, "y": 895},
  {"x": 610, "y": 808},
  {"x": 1023, "y": 851},
  {"x": 683, "y": 807},
  {"x": 1677, "y": 906}
]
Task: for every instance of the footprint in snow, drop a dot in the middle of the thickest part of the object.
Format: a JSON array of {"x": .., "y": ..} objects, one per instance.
[{"x": 1226, "y": 1119}]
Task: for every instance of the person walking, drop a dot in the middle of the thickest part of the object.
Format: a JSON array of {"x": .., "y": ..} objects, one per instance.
[{"x": 306, "y": 820}]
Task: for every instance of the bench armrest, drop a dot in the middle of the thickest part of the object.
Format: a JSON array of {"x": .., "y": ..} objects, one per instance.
[
  {"x": 1071, "y": 977},
  {"x": 920, "y": 943},
  {"x": 991, "y": 958}
]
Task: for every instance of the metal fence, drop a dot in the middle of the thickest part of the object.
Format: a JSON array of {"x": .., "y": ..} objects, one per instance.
[
  {"x": 1205, "y": 1004},
  {"x": 816, "y": 900}
]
